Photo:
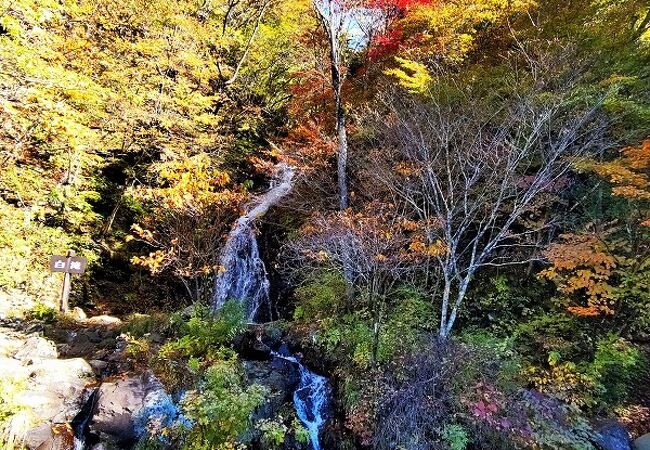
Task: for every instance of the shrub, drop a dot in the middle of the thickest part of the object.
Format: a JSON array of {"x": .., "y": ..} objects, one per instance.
[
  {"x": 455, "y": 436},
  {"x": 564, "y": 380},
  {"x": 220, "y": 410},
  {"x": 41, "y": 311},
  {"x": 9, "y": 388},
  {"x": 149, "y": 444},
  {"x": 453, "y": 396},
  {"x": 299, "y": 431},
  {"x": 204, "y": 331},
  {"x": 553, "y": 332},
  {"x": 322, "y": 296},
  {"x": 138, "y": 325},
  {"x": 273, "y": 432},
  {"x": 199, "y": 341},
  {"x": 410, "y": 318},
  {"x": 350, "y": 336},
  {"x": 616, "y": 365}
]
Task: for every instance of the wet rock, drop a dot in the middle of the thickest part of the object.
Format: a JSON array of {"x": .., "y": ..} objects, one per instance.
[
  {"x": 37, "y": 347},
  {"x": 98, "y": 365},
  {"x": 10, "y": 342},
  {"x": 129, "y": 407},
  {"x": 642, "y": 443},
  {"x": 280, "y": 376},
  {"x": 57, "y": 437},
  {"x": 613, "y": 436},
  {"x": 56, "y": 388},
  {"x": 103, "y": 446},
  {"x": 251, "y": 346},
  {"x": 49, "y": 392}
]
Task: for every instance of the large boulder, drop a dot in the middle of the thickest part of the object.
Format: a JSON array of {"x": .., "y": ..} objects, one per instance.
[
  {"x": 613, "y": 436},
  {"x": 128, "y": 408},
  {"x": 49, "y": 392},
  {"x": 104, "y": 321}
]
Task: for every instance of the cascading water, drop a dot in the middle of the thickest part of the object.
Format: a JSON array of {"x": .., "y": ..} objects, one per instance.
[
  {"x": 242, "y": 275},
  {"x": 311, "y": 400}
]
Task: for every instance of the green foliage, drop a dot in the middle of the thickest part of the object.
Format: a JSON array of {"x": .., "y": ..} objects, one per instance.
[
  {"x": 553, "y": 331},
  {"x": 615, "y": 367},
  {"x": 138, "y": 325},
  {"x": 347, "y": 333},
  {"x": 299, "y": 431},
  {"x": 490, "y": 349},
  {"x": 411, "y": 316},
  {"x": 205, "y": 332},
  {"x": 456, "y": 436},
  {"x": 220, "y": 410},
  {"x": 321, "y": 297},
  {"x": 9, "y": 388},
  {"x": 149, "y": 444},
  {"x": 273, "y": 432},
  {"x": 199, "y": 341},
  {"x": 41, "y": 311},
  {"x": 633, "y": 293}
]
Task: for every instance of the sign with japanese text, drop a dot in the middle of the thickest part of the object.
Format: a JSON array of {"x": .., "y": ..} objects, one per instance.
[{"x": 68, "y": 264}]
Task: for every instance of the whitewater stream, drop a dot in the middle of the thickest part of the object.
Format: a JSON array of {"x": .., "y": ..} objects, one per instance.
[
  {"x": 243, "y": 277},
  {"x": 311, "y": 400}
]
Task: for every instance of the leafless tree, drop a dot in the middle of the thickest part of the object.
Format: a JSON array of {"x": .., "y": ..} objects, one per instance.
[{"x": 473, "y": 174}]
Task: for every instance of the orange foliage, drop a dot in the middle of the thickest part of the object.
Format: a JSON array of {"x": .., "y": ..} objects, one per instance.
[
  {"x": 582, "y": 263},
  {"x": 628, "y": 174}
]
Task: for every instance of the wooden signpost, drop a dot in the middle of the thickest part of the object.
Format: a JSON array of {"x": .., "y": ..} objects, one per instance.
[{"x": 68, "y": 265}]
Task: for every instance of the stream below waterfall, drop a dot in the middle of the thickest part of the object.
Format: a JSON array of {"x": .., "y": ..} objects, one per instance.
[{"x": 311, "y": 399}]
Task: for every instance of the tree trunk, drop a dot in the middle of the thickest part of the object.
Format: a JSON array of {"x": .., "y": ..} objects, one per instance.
[
  {"x": 462, "y": 291},
  {"x": 341, "y": 131},
  {"x": 443, "y": 310},
  {"x": 342, "y": 156}
]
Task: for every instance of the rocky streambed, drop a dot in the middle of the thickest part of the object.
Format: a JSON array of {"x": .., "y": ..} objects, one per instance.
[{"x": 75, "y": 389}]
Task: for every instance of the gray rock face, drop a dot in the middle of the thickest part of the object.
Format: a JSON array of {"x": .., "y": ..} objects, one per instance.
[
  {"x": 613, "y": 436},
  {"x": 642, "y": 443},
  {"x": 49, "y": 391},
  {"x": 128, "y": 408},
  {"x": 105, "y": 321},
  {"x": 281, "y": 377},
  {"x": 37, "y": 347}
]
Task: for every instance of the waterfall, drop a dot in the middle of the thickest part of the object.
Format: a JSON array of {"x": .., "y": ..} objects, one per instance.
[
  {"x": 242, "y": 275},
  {"x": 311, "y": 400}
]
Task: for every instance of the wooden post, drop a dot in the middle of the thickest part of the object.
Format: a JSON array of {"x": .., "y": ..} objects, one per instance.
[{"x": 65, "y": 293}]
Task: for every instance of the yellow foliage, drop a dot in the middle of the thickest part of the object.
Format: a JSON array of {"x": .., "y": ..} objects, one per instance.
[
  {"x": 564, "y": 381},
  {"x": 448, "y": 29},
  {"x": 412, "y": 75}
]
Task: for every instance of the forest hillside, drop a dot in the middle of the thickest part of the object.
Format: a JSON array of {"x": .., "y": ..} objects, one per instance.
[{"x": 325, "y": 224}]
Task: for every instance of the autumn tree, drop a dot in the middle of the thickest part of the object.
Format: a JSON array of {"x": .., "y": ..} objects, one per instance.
[
  {"x": 604, "y": 265},
  {"x": 472, "y": 176},
  {"x": 335, "y": 18},
  {"x": 101, "y": 98},
  {"x": 373, "y": 246},
  {"x": 188, "y": 207}
]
